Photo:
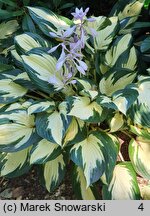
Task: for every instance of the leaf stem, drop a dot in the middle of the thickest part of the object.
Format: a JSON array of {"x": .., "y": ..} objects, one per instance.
[
  {"x": 33, "y": 97},
  {"x": 120, "y": 156},
  {"x": 127, "y": 134},
  {"x": 42, "y": 94}
]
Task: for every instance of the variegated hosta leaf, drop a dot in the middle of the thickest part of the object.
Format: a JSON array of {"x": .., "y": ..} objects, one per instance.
[
  {"x": 116, "y": 79},
  {"x": 123, "y": 99},
  {"x": 2, "y": 106},
  {"x": 80, "y": 187},
  {"x": 123, "y": 185},
  {"x": 144, "y": 91},
  {"x": 140, "y": 115},
  {"x": 19, "y": 106},
  {"x": 139, "y": 152},
  {"x": 145, "y": 192},
  {"x": 53, "y": 173},
  {"x": 94, "y": 156},
  {"x": 145, "y": 45},
  {"x": 87, "y": 88},
  {"x": 131, "y": 60},
  {"x": 27, "y": 41},
  {"x": 48, "y": 21},
  {"x": 127, "y": 12},
  {"x": 84, "y": 109},
  {"x": 143, "y": 132},
  {"x": 102, "y": 67},
  {"x": 128, "y": 60},
  {"x": 8, "y": 28},
  {"x": 120, "y": 45},
  {"x": 16, "y": 58},
  {"x": 116, "y": 122},
  {"x": 44, "y": 151},
  {"x": 129, "y": 8},
  {"x": 10, "y": 91},
  {"x": 76, "y": 132},
  {"x": 53, "y": 126},
  {"x": 41, "y": 68},
  {"x": 140, "y": 112},
  {"x": 106, "y": 102},
  {"x": 105, "y": 36},
  {"x": 14, "y": 164},
  {"x": 24, "y": 80},
  {"x": 112, "y": 149},
  {"x": 100, "y": 23},
  {"x": 17, "y": 130},
  {"x": 5, "y": 67},
  {"x": 41, "y": 106}
]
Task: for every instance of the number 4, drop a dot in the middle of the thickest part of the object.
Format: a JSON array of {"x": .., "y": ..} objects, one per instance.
[{"x": 141, "y": 207}]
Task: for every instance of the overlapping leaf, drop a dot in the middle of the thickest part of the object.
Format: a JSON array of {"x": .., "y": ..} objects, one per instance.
[
  {"x": 140, "y": 111},
  {"x": 116, "y": 79},
  {"x": 47, "y": 20},
  {"x": 41, "y": 68},
  {"x": 105, "y": 36},
  {"x": 116, "y": 122},
  {"x": 17, "y": 130},
  {"x": 96, "y": 147},
  {"x": 83, "y": 108},
  {"x": 53, "y": 126},
  {"x": 87, "y": 88},
  {"x": 41, "y": 106},
  {"x": 142, "y": 132},
  {"x": 76, "y": 132},
  {"x": 139, "y": 151},
  {"x": 80, "y": 186},
  {"x": 10, "y": 91},
  {"x": 127, "y": 12},
  {"x": 53, "y": 173},
  {"x": 14, "y": 164},
  {"x": 44, "y": 151},
  {"x": 123, "y": 185},
  {"x": 27, "y": 41},
  {"x": 144, "y": 91},
  {"x": 124, "y": 99},
  {"x": 140, "y": 115},
  {"x": 121, "y": 44},
  {"x": 8, "y": 28}
]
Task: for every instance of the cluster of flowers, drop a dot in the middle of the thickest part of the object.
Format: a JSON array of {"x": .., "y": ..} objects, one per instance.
[{"x": 72, "y": 42}]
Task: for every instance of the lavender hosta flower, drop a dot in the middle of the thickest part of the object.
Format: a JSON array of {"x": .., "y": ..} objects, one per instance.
[
  {"x": 61, "y": 60},
  {"x": 73, "y": 82},
  {"x": 82, "y": 38},
  {"x": 93, "y": 32},
  {"x": 63, "y": 34},
  {"x": 81, "y": 66},
  {"x": 56, "y": 82},
  {"x": 75, "y": 47},
  {"x": 91, "y": 19},
  {"x": 73, "y": 40},
  {"x": 80, "y": 69},
  {"x": 60, "y": 82},
  {"x": 53, "y": 49},
  {"x": 69, "y": 31},
  {"x": 80, "y": 14}
]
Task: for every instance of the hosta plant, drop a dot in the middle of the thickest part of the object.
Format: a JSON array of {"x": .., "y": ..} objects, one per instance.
[{"x": 72, "y": 93}]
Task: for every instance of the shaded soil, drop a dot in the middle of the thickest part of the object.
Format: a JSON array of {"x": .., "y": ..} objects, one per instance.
[{"x": 27, "y": 187}]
